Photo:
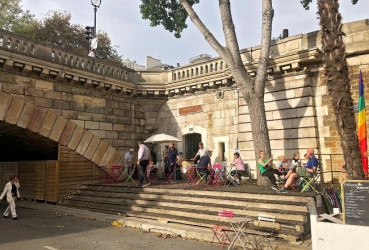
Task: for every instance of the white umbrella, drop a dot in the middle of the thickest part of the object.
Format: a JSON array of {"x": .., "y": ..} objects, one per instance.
[{"x": 161, "y": 138}]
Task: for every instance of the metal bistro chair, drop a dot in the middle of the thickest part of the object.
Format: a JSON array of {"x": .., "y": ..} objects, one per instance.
[
  {"x": 264, "y": 242},
  {"x": 229, "y": 178},
  {"x": 217, "y": 175},
  {"x": 221, "y": 232},
  {"x": 191, "y": 175},
  {"x": 130, "y": 173},
  {"x": 151, "y": 171},
  {"x": 309, "y": 182},
  {"x": 201, "y": 176}
]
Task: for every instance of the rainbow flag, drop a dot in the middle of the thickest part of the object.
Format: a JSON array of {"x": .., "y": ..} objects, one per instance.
[{"x": 362, "y": 126}]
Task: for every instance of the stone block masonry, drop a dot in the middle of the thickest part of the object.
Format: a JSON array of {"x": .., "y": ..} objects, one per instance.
[
  {"x": 104, "y": 113},
  {"x": 48, "y": 126}
]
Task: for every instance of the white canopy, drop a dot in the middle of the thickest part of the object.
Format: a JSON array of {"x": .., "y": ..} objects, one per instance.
[{"x": 161, "y": 138}]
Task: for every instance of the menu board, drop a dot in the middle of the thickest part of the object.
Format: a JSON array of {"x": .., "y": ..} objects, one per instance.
[{"x": 355, "y": 196}]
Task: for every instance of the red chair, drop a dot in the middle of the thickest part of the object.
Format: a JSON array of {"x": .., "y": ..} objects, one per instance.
[
  {"x": 151, "y": 171},
  {"x": 221, "y": 232},
  {"x": 217, "y": 174},
  {"x": 192, "y": 176}
]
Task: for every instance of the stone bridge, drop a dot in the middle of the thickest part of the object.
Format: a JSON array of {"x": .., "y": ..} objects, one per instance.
[{"x": 52, "y": 98}]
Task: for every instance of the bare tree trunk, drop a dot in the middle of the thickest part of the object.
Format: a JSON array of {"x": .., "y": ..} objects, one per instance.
[
  {"x": 251, "y": 89},
  {"x": 338, "y": 82}
]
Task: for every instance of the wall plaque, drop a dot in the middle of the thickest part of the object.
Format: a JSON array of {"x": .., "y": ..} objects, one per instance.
[{"x": 190, "y": 109}]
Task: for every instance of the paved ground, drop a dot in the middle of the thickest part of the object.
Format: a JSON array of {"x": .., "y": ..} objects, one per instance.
[{"x": 44, "y": 229}]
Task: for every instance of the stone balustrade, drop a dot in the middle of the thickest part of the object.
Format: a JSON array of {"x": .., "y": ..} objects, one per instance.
[{"x": 63, "y": 64}]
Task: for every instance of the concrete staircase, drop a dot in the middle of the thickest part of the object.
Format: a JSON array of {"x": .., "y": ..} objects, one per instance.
[{"x": 197, "y": 207}]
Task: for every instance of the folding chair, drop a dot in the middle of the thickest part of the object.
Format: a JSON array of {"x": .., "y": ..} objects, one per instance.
[
  {"x": 130, "y": 173},
  {"x": 229, "y": 178},
  {"x": 170, "y": 173},
  {"x": 103, "y": 174},
  {"x": 221, "y": 232},
  {"x": 309, "y": 182},
  {"x": 201, "y": 176},
  {"x": 264, "y": 236},
  {"x": 151, "y": 171},
  {"x": 191, "y": 175},
  {"x": 217, "y": 176}
]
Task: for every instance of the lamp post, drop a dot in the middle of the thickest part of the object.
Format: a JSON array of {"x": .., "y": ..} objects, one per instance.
[{"x": 96, "y": 4}]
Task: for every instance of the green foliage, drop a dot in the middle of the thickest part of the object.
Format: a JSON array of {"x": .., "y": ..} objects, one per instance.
[
  {"x": 306, "y": 3},
  {"x": 168, "y": 13},
  {"x": 55, "y": 29},
  {"x": 12, "y": 15}
]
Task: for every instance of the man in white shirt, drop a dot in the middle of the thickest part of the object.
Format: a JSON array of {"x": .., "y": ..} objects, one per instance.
[
  {"x": 143, "y": 161},
  {"x": 200, "y": 153}
]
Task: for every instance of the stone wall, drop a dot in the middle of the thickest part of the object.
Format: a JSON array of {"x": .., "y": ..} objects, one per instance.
[
  {"x": 115, "y": 117},
  {"x": 217, "y": 123}
]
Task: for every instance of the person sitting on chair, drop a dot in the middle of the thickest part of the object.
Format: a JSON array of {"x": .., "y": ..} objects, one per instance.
[
  {"x": 204, "y": 165},
  {"x": 311, "y": 165},
  {"x": 240, "y": 167},
  {"x": 283, "y": 165},
  {"x": 266, "y": 169},
  {"x": 292, "y": 174},
  {"x": 128, "y": 162}
]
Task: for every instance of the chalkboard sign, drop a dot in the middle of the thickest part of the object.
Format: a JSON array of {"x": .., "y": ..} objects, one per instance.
[{"x": 356, "y": 202}]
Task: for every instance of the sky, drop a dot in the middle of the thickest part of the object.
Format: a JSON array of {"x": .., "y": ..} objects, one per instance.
[{"x": 135, "y": 38}]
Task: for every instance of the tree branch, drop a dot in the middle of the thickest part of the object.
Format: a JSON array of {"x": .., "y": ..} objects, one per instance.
[
  {"x": 261, "y": 74},
  {"x": 209, "y": 37},
  {"x": 229, "y": 29}
]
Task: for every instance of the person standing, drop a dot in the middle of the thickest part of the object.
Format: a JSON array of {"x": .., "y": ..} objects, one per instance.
[
  {"x": 172, "y": 160},
  {"x": 12, "y": 193},
  {"x": 143, "y": 161},
  {"x": 200, "y": 153}
]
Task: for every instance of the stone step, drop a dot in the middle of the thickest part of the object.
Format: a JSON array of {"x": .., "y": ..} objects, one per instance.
[
  {"x": 249, "y": 204},
  {"x": 185, "y": 213},
  {"x": 280, "y": 233},
  {"x": 200, "y": 205},
  {"x": 201, "y": 193}
]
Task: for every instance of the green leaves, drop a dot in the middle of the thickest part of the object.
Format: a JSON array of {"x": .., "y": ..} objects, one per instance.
[
  {"x": 55, "y": 29},
  {"x": 306, "y": 3},
  {"x": 12, "y": 14},
  {"x": 168, "y": 13}
]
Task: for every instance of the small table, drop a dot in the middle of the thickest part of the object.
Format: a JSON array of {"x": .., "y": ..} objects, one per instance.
[
  {"x": 238, "y": 225},
  {"x": 114, "y": 173},
  {"x": 229, "y": 177}
]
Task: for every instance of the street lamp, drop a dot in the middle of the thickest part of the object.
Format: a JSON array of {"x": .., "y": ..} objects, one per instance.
[{"x": 96, "y": 4}]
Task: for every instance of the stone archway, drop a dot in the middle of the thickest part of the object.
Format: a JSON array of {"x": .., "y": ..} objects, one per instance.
[{"x": 41, "y": 121}]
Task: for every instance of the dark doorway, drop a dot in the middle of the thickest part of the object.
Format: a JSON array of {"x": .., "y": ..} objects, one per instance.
[{"x": 191, "y": 145}]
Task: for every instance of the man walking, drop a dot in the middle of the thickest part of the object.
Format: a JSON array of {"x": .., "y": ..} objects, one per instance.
[{"x": 143, "y": 161}]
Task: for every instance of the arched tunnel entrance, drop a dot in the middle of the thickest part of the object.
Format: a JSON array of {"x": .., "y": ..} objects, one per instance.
[
  {"x": 18, "y": 144},
  {"x": 51, "y": 155}
]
